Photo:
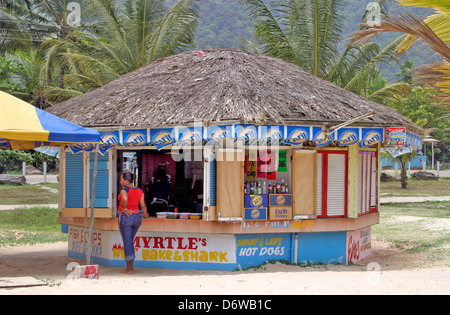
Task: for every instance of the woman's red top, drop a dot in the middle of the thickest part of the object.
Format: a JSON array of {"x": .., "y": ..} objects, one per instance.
[{"x": 134, "y": 195}]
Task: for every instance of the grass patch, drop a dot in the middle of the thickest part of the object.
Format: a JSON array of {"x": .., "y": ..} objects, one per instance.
[
  {"x": 30, "y": 226},
  {"x": 26, "y": 195},
  {"x": 417, "y": 228},
  {"x": 417, "y": 188}
]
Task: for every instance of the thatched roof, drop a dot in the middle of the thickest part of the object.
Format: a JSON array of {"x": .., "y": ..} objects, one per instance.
[{"x": 219, "y": 86}]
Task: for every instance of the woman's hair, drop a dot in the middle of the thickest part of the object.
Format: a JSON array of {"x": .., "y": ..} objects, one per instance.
[
  {"x": 160, "y": 175},
  {"x": 128, "y": 176}
]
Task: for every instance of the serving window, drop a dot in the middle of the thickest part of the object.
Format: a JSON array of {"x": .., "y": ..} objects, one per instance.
[
  {"x": 184, "y": 171},
  {"x": 267, "y": 185}
]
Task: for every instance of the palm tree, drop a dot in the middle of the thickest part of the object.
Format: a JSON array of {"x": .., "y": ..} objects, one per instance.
[
  {"x": 308, "y": 33},
  {"x": 27, "y": 24},
  {"x": 122, "y": 37},
  {"x": 403, "y": 161},
  {"x": 116, "y": 37},
  {"x": 434, "y": 31}
]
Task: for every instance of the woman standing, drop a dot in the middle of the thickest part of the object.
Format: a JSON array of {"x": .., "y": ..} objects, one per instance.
[{"x": 130, "y": 198}]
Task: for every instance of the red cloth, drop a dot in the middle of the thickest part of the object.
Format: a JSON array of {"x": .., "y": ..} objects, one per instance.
[{"x": 134, "y": 195}]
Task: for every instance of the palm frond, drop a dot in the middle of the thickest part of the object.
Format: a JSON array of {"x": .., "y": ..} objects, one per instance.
[
  {"x": 442, "y": 5},
  {"x": 436, "y": 74},
  {"x": 269, "y": 30},
  {"x": 390, "y": 92},
  {"x": 405, "y": 23},
  {"x": 174, "y": 32}
]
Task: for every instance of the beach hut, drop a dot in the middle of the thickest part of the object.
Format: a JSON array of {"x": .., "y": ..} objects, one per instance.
[{"x": 276, "y": 163}]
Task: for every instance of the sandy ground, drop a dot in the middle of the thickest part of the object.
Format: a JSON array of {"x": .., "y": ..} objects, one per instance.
[{"x": 387, "y": 271}]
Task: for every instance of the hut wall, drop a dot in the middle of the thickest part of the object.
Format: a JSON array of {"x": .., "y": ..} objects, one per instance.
[{"x": 75, "y": 184}]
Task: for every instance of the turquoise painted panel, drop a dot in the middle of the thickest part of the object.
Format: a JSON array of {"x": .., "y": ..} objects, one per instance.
[
  {"x": 102, "y": 185},
  {"x": 74, "y": 180},
  {"x": 326, "y": 248}
]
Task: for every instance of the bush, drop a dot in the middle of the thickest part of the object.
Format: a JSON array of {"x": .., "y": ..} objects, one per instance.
[{"x": 11, "y": 160}]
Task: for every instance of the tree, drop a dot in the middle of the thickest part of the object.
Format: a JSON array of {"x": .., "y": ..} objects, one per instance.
[
  {"x": 434, "y": 31},
  {"x": 403, "y": 161},
  {"x": 28, "y": 24},
  {"x": 115, "y": 37},
  {"x": 308, "y": 33},
  {"x": 123, "y": 38}
]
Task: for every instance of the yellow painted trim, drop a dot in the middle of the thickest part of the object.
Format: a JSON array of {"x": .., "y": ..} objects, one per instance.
[
  {"x": 353, "y": 173},
  {"x": 81, "y": 212}
]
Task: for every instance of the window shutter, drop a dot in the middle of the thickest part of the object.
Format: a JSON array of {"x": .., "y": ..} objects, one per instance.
[
  {"x": 365, "y": 188},
  {"x": 74, "y": 183},
  {"x": 102, "y": 185},
  {"x": 374, "y": 182},
  {"x": 367, "y": 198},
  {"x": 304, "y": 182},
  {"x": 230, "y": 189},
  {"x": 336, "y": 184}
]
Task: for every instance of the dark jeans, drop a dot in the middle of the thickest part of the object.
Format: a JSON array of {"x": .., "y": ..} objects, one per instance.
[
  {"x": 157, "y": 207},
  {"x": 128, "y": 226}
]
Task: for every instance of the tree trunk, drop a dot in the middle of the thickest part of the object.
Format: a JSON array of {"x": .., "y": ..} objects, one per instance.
[
  {"x": 61, "y": 77},
  {"x": 404, "y": 177}
]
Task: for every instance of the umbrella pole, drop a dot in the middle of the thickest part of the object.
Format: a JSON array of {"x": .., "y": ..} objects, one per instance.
[{"x": 94, "y": 184}]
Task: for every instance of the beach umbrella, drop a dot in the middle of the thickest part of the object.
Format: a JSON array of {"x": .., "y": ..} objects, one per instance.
[{"x": 24, "y": 126}]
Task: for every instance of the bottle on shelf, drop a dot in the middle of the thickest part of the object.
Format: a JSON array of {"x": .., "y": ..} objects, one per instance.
[
  {"x": 282, "y": 187},
  {"x": 270, "y": 188},
  {"x": 278, "y": 189},
  {"x": 286, "y": 189},
  {"x": 259, "y": 188},
  {"x": 264, "y": 188}
]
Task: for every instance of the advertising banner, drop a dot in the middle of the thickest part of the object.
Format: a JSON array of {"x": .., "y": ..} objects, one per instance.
[
  {"x": 347, "y": 136},
  {"x": 395, "y": 136},
  {"x": 370, "y": 137},
  {"x": 296, "y": 135},
  {"x": 162, "y": 138},
  {"x": 135, "y": 138}
]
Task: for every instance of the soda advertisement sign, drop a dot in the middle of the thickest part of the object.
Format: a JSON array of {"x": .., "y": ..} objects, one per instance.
[
  {"x": 135, "y": 138},
  {"x": 321, "y": 139},
  {"x": 246, "y": 132},
  {"x": 348, "y": 136},
  {"x": 272, "y": 133},
  {"x": 395, "y": 136},
  {"x": 162, "y": 138},
  {"x": 359, "y": 244},
  {"x": 218, "y": 133},
  {"x": 297, "y": 135},
  {"x": 190, "y": 136},
  {"x": 109, "y": 140},
  {"x": 370, "y": 137}
]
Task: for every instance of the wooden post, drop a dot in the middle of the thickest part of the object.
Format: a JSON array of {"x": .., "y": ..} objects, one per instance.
[{"x": 353, "y": 180}]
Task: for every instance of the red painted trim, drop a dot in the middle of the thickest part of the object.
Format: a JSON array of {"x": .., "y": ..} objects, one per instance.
[
  {"x": 375, "y": 209},
  {"x": 325, "y": 183}
]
